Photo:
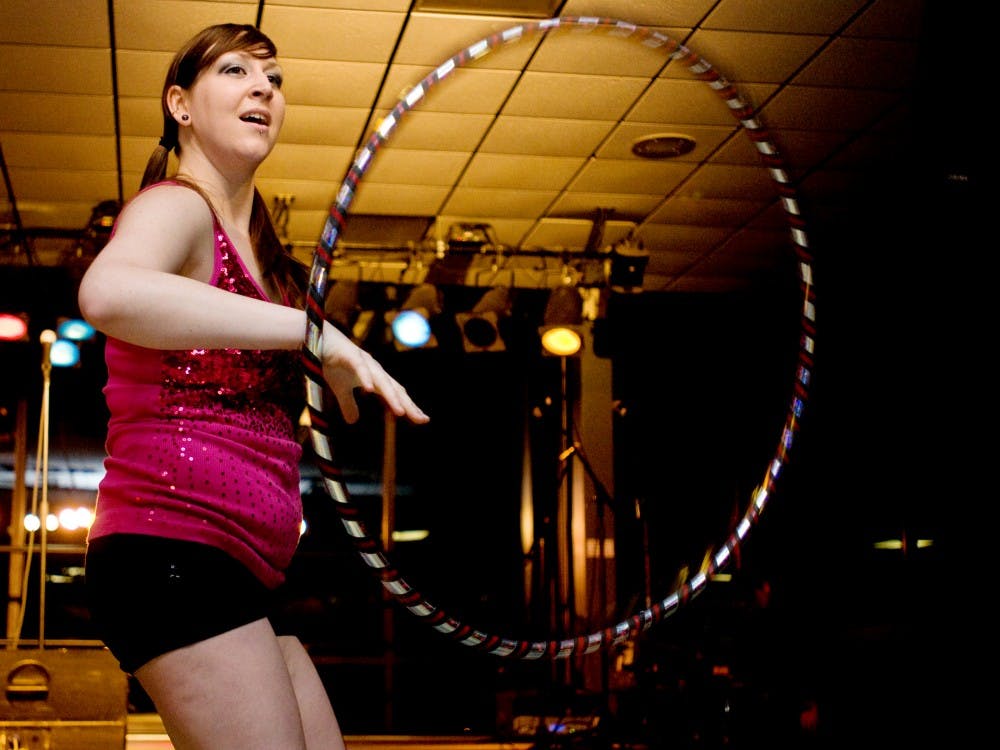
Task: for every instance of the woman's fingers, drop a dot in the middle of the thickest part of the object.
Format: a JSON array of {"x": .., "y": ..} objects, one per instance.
[{"x": 356, "y": 369}]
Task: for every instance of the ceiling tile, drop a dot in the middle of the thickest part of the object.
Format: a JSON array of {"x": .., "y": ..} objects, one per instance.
[
  {"x": 410, "y": 166},
  {"x": 631, "y": 207},
  {"x": 432, "y": 39},
  {"x": 527, "y": 172},
  {"x": 140, "y": 117},
  {"x": 545, "y": 136},
  {"x": 439, "y": 131},
  {"x": 404, "y": 200},
  {"x": 586, "y": 52},
  {"x": 821, "y": 108},
  {"x": 736, "y": 182},
  {"x": 685, "y": 13},
  {"x": 573, "y": 96},
  {"x": 709, "y": 212},
  {"x": 165, "y": 25},
  {"x": 56, "y": 113},
  {"x": 896, "y": 19},
  {"x": 57, "y": 70},
  {"x": 32, "y": 22},
  {"x": 751, "y": 57},
  {"x": 330, "y": 83},
  {"x": 862, "y": 63},
  {"x": 323, "y": 126},
  {"x": 466, "y": 90},
  {"x": 332, "y": 34},
  {"x": 476, "y": 202},
  {"x": 314, "y": 162},
  {"x": 631, "y": 176},
  {"x": 141, "y": 73},
  {"x": 681, "y": 102},
  {"x": 54, "y": 214},
  {"x": 802, "y": 16}
]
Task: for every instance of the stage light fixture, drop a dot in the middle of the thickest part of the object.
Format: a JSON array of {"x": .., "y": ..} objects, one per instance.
[
  {"x": 102, "y": 218},
  {"x": 561, "y": 331},
  {"x": 64, "y": 353},
  {"x": 464, "y": 236},
  {"x": 74, "y": 329},
  {"x": 411, "y": 324},
  {"x": 345, "y": 312},
  {"x": 480, "y": 326},
  {"x": 13, "y": 326},
  {"x": 627, "y": 266}
]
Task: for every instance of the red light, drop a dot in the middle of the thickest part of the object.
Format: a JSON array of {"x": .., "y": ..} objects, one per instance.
[{"x": 13, "y": 327}]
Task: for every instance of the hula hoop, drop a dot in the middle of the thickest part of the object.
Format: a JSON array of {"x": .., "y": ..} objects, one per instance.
[{"x": 369, "y": 548}]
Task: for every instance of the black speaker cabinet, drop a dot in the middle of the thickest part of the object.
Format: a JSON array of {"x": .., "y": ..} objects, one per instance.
[{"x": 62, "y": 699}]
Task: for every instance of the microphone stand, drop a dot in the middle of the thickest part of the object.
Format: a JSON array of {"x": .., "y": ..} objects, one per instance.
[
  {"x": 39, "y": 510},
  {"x": 47, "y": 338},
  {"x": 604, "y": 500}
]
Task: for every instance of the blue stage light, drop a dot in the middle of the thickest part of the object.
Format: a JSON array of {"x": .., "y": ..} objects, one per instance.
[
  {"x": 411, "y": 329},
  {"x": 64, "y": 353}
]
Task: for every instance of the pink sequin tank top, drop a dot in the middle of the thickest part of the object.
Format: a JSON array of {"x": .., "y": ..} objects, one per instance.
[{"x": 201, "y": 442}]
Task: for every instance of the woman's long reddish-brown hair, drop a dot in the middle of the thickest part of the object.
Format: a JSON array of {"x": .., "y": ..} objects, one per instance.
[{"x": 278, "y": 266}]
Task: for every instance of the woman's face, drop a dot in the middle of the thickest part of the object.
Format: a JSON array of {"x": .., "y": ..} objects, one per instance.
[{"x": 236, "y": 107}]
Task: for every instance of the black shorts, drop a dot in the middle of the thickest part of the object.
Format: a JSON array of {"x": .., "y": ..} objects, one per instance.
[{"x": 148, "y": 595}]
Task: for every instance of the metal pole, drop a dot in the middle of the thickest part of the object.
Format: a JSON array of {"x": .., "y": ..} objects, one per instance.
[
  {"x": 388, "y": 525},
  {"x": 18, "y": 506}
]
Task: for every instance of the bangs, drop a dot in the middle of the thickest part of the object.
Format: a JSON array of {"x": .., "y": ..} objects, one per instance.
[
  {"x": 215, "y": 41},
  {"x": 245, "y": 39}
]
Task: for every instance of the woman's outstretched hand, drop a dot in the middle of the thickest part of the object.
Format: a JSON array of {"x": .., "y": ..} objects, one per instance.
[{"x": 348, "y": 367}]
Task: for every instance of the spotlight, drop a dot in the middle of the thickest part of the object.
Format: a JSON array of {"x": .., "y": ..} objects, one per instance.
[
  {"x": 74, "y": 329},
  {"x": 464, "y": 236},
  {"x": 627, "y": 266},
  {"x": 344, "y": 310},
  {"x": 561, "y": 330},
  {"x": 481, "y": 326},
  {"x": 102, "y": 219},
  {"x": 411, "y": 326},
  {"x": 13, "y": 326},
  {"x": 64, "y": 353}
]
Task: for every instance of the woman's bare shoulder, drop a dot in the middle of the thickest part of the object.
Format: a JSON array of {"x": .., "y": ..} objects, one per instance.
[
  {"x": 170, "y": 196},
  {"x": 165, "y": 226}
]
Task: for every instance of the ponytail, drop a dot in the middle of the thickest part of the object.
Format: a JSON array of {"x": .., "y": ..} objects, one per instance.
[{"x": 156, "y": 167}]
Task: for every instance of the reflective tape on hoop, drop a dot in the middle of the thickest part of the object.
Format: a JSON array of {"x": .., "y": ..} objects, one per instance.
[{"x": 312, "y": 343}]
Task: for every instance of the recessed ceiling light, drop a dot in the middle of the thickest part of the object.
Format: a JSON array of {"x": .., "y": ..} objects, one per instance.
[{"x": 663, "y": 146}]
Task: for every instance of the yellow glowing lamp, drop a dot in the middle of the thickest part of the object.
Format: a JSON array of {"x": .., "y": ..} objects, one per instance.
[
  {"x": 561, "y": 332},
  {"x": 561, "y": 341}
]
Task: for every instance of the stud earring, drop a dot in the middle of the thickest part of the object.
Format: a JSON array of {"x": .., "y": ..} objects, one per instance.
[{"x": 185, "y": 118}]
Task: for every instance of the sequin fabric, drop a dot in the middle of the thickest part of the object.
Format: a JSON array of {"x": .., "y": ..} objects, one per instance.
[{"x": 201, "y": 442}]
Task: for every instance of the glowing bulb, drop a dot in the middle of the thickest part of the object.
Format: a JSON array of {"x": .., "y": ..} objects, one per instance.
[
  {"x": 68, "y": 519},
  {"x": 411, "y": 328},
  {"x": 12, "y": 327},
  {"x": 75, "y": 329},
  {"x": 64, "y": 353},
  {"x": 84, "y": 517},
  {"x": 563, "y": 342}
]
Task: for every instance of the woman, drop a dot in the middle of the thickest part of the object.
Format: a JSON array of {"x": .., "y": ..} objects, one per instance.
[{"x": 199, "y": 511}]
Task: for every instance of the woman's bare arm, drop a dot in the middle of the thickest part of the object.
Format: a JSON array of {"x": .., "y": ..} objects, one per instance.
[{"x": 148, "y": 287}]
